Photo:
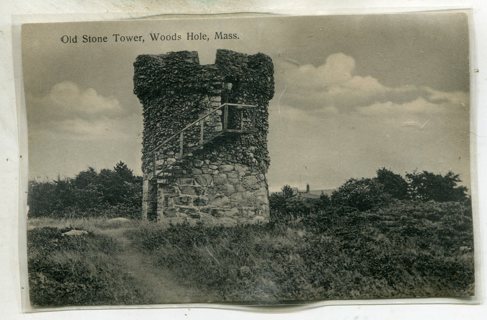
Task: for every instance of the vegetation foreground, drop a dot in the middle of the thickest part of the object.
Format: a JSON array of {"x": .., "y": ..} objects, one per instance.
[
  {"x": 384, "y": 237},
  {"x": 408, "y": 249}
]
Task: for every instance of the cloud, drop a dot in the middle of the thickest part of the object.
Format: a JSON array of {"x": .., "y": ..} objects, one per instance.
[
  {"x": 66, "y": 100},
  {"x": 71, "y": 112},
  {"x": 420, "y": 105},
  {"x": 337, "y": 70},
  {"x": 458, "y": 98},
  {"x": 80, "y": 129},
  {"x": 335, "y": 86},
  {"x": 331, "y": 84}
]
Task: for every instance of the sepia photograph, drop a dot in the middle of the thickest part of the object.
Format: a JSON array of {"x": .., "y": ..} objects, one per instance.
[{"x": 248, "y": 160}]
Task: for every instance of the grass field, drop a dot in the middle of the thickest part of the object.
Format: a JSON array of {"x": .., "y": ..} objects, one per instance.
[{"x": 405, "y": 249}]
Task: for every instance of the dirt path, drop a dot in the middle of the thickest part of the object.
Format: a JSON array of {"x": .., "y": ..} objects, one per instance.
[{"x": 160, "y": 285}]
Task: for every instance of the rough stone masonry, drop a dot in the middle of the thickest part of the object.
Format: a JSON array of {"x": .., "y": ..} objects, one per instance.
[{"x": 205, "y": 136}]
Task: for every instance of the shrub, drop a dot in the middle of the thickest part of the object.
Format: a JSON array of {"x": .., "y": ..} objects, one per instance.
[
  {"x": 393, "y": 183},
  {"x": 362, "y": 194},
  {"x": 285, "y": 209},
  {"x": 429, "y": 186}
]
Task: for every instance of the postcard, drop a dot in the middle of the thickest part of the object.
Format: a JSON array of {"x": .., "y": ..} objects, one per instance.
[{"x": 248, "y": 160}]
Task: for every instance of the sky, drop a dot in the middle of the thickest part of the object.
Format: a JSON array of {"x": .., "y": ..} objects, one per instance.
[{"x": 353, "y": 93}]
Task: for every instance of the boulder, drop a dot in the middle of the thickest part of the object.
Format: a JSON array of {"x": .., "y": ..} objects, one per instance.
[{"x": 75, "y": 233}]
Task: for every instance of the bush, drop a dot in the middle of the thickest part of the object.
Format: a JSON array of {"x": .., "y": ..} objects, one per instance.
[
  {"x": 363, "y": 194},
  {"x": 285, "y": 209},
  {"x": 393, "y": 183},
  {"x": 429, "y": 186}
]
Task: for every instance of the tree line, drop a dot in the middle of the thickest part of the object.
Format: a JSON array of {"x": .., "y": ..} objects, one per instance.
[
  {"x": 108, "y": 193},
  {"x": 369, "y": 193},
  {"x": 118, "y": 192}
]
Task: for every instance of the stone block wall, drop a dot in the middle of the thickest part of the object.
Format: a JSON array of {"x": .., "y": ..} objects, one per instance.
[{"x": 220, "y": 176}]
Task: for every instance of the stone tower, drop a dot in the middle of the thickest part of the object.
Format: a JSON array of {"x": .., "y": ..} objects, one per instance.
[{"x": 205, "y": 136}]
